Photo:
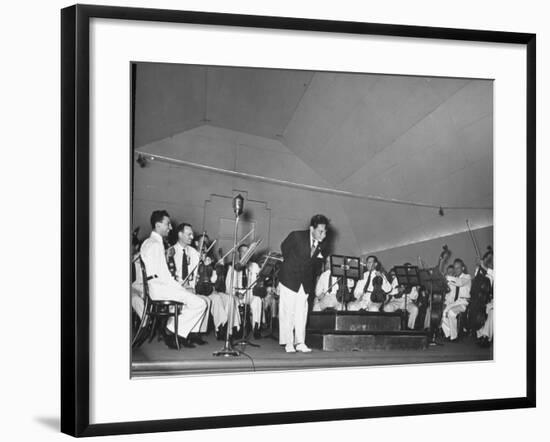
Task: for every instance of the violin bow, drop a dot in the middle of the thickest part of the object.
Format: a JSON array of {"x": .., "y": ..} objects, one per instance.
[
  {"x": 200, "y": 260},
  {"x": 220, "y": 261}
]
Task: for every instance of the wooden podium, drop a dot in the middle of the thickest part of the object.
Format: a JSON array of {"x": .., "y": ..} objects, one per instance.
[{"x": 361, "y": 331}]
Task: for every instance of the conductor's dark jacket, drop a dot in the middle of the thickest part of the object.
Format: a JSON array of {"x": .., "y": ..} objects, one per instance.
[{"x": 298, "y": 266}]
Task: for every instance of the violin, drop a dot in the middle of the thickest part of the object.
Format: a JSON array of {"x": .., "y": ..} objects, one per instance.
[
  {"x": 269, "y": 268},
  {"x": 205, "y": 270},
  {"x": 219, "y": 285},
  {"x": 378, "y": 295},
  {"x": 344, "y": 294}
]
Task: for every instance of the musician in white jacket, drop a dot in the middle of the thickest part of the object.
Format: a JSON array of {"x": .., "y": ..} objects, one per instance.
[
  {"x": 400, "y": 299},
  {"x": 186, "y": 260},
  {"x": 326, "y": 290},
  {"x": 485, "y": 333},
  {"x": 460, "y": 284},
  {"x": 364, "y": 288},
  {"x": 163, "y": 286}
]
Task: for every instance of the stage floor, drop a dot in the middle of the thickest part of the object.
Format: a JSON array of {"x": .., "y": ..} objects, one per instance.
[{"x": 156, "y": 359}]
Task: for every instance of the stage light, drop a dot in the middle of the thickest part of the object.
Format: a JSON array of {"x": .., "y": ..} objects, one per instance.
[{"x": 142, "y": 161}]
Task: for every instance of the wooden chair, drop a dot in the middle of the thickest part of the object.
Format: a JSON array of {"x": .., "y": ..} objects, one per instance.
[{"x": 155, "y": 315}]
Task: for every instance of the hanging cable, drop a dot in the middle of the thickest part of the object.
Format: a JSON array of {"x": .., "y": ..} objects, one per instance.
[{"x": 155, "y": 157}]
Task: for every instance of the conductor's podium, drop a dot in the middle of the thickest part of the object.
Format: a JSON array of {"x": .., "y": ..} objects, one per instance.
[{"x": 361, "y": 331}]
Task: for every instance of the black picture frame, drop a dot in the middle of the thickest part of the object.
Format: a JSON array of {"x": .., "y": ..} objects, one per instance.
[{"x": 75, "y": 213}]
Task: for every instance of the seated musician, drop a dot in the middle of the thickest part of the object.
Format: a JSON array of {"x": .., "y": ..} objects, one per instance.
[
  {"x": 220, "y": 309},
  {"x": 326, "y": 290},
  {"x": 402, "y": 299},
  {"x": 219, "y": 303},
  {"x": 271, "y": 300},
  {"x": 485, "y": 333},
  {"x": 136, "y": 289},
  {"x": 242, "y": 279},
  {"x": 163, "y": 286},
  {"x": 450, "y": 295},
  {"x": 184, "y": 262},
  {"x": 364, "y": 287},
  {"x": 460, "y": 285}
]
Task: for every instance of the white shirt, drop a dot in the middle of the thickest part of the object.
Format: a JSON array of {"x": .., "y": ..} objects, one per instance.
[
  {"x": 360, "y": 287},
  {"x": 325, "y": 281},
  {"x": 193, "y": 258},
  {"x": 450, "y": 295},
  {"x": 154, "y": 258},
  {"x": 137, "y": 268},
  {"x": 394, "y": 286},
  {"x": 463, "y": 282},
  {"x": 411, "y": 296},
  {"x": 313, "y": 243},
  {"x": 252, "y": 271}
]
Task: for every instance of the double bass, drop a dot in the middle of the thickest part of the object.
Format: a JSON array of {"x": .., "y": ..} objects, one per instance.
[
  {"x": 481, "y": 290},
  {"x": 431, "y": 297},
  {"x": 438, "y": 296}
]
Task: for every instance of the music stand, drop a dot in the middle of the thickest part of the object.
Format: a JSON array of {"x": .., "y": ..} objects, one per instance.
[
  {"x": 407, "y": 275},
  {"x": 344, "y": 268}
]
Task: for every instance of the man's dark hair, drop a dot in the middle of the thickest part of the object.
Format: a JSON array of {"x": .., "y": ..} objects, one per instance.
[
  {"x": 157, "y": 216},
  {"x": 318, "y": 219},
  {"x": 182, "y": 227},
  {"x": 241, "y": 246},
  {"x": 488, "y": 253},
  {"x": 373, "y": 257},
  {"x": 459, "y": 261}
]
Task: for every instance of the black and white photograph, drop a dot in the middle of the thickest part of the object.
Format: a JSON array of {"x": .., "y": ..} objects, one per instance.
[
  {"x": 272, "y": 220},
  {"x": 293, "y": 219}
]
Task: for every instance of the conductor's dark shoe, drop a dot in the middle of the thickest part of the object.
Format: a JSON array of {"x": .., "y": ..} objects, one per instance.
[
  {"x": 185, "y": 342},
  {"x": 257, "y": 332},
  {"x": 196, "y": 339}
]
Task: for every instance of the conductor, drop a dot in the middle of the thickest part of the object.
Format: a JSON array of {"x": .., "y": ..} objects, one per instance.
[{"x": 301, "y": 250}]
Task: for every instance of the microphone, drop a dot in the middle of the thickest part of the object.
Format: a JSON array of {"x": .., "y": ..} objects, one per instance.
[{"x": 238, "y": 203}]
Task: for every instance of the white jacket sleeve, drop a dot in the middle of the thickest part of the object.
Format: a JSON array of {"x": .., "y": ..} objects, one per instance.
[{"x": 322, "y": 284}]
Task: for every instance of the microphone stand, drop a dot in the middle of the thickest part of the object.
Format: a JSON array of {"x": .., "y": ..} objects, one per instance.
[
  {"x": 228, "y": 349},
  {"x": 243, "y": 341}
]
